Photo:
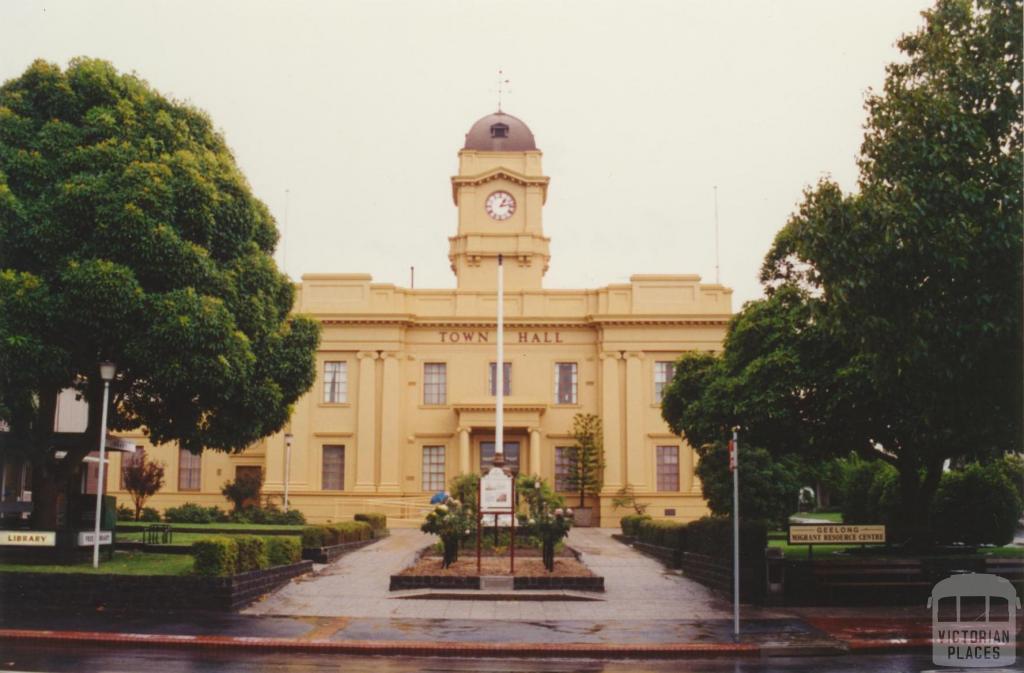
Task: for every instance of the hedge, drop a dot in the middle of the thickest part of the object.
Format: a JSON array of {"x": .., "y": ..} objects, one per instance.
[
  {"x": 663, "y": 533},
  {"x": 217, "y": 556},
  {"x": 377, "y": 520},
  {"x": 631, "y": 522},
  {"x": 252, "y": 553},
  {"x": 327, "y": 535},
  {"x": 710, "y": 536},
  {"x": 282, "y": 550}
]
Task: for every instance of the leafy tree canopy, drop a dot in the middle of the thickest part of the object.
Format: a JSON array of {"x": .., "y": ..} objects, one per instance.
[
  {"x": 892, "y": 323},
  {"x": 128, "y": 233}
]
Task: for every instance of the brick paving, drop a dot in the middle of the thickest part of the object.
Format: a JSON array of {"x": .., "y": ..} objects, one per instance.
[{"x": 636, "y": 588}]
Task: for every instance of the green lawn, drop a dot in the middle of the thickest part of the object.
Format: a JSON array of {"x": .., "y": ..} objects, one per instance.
[
  {"x": 835, "y": 517},
  {"x": 124, "y": 563},
  {"x": 180, "y": 538},
  {"x": 254, "y": 528},
  {"x": 799, "y": 551}
]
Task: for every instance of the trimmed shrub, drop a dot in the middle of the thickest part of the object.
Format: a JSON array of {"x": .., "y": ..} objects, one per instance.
[
  {"x": 217, "y": 556},
  {"x": 1013, "y": 466},
  {"x": 712, "y": 536},
  {"x": 190, "y": 512},
  {"x": 314, "y": 537},
  {"x": 631, "y": 522},
  {"x": 976, "y": 505},
  {"x": 282, "y": 551},
  {"x": 662, "y": 533},
  {"x": 150, "y": 514},
  {"x": 252, "y": 553},
  {"x": 377, "y": 520},
  {"x": 352, "y": 531},
  {"x": 270, "y": 514},
  {"x": 125, "y": 513}
]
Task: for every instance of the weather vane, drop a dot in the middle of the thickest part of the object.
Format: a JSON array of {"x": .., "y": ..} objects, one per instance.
[{"x": 501, "y": 86}]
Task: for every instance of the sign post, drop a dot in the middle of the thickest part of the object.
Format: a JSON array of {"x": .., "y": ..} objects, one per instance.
[{"x": 734, "y": 466}]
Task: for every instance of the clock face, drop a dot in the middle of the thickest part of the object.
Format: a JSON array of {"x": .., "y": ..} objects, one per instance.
[{"x": 500, "y": 205}]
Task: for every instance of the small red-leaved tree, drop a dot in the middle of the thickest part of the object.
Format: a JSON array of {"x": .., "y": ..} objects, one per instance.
[{"x": 142, "y": 479}]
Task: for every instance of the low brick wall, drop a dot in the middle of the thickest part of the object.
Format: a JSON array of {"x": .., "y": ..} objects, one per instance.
[
  {"x": 328, "y": 554},
  {"x": 559, "y": 583},
  {"x": 406, "y": 582},
  {"x": 143, "y": 592},
  {"x": 713, "y": 572},
  {"x": 888, "y": 581}
]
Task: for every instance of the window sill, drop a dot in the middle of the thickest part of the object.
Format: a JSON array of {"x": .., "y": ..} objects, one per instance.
[
  {"x": 574, "y": 405},
  {"x": 335, "y": 404},
  {"x": 435, "y": 406}
]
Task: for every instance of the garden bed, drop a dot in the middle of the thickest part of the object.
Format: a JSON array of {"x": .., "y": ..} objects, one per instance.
[
  {"x": 530, "y": 573},
  {"x": 139, "y": 582}
]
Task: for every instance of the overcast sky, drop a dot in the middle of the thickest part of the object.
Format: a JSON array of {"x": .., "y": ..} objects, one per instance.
[{"x": 641, "y": 107}]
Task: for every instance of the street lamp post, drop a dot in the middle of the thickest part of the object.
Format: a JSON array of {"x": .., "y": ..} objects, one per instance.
[
  {"x": 287, "y": 465},
  {"x": 107, "y": 371}
]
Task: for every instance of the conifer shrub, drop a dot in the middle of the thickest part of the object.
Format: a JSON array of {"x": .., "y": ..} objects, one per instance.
[{"x": 976, "y": 505}]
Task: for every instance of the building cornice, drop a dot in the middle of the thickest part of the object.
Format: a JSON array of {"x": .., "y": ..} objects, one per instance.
[{"x": 502, "y": 173}]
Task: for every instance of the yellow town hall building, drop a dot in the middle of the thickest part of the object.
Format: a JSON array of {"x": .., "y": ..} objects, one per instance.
[{"x": 405, "y": 393}]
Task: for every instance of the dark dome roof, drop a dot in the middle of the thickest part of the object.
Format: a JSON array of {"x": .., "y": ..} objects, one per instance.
[{"x": 500, "y": 132}]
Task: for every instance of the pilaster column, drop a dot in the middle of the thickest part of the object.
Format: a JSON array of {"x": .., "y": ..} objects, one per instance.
[
  {"x": 389, "y": 422},
  {"x": 686, "y": 469},
  {"x": 366, "y": 431},
  {"x": 535, "y": 466},
  {"x": 613, "y": 448},
  {"x": 464, "y": 451},
  {"x": 636, "y": 454}
]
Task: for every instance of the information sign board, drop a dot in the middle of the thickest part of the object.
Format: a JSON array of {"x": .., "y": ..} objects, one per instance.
[
  {"x": 496, "y": 492},
  {"x": 836, "y": 534}
]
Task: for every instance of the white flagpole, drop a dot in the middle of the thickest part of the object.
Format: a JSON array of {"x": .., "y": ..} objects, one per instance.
[{"x": 499, "y": 372}]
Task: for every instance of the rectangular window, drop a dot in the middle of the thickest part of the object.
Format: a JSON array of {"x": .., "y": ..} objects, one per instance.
[
  {"x": 433, "y": 468},
  {"x": 334, "y": 468},
  {"x": 511, "y": 456},
  {"x": 668, "y": 468},
  {"x": 565, "y": 383},
  {"x": 130, "y": 460},
  {"x": 563, "y": 466},
  {"x": 663, "y": 373},
  {"x": 188, "y": 470},
  {"x": 335, "y": 382},
  {"x": 435, "y": 383},
  {"x": 508, "y": 378}
]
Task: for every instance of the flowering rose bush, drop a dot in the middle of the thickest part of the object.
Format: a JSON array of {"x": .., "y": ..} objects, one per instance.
[{"x": 452, "y": 522}]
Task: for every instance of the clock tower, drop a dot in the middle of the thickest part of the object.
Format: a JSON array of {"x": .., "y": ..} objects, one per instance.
[{"x": 500, "y": 193}]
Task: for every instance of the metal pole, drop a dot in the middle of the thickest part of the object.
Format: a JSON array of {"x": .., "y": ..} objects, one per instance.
[
  {"x": 736, "y": 536},
  {"x": 499, "y": 372},
  {"x": 99, "y": 480},
  {"x": 287, "y": 466}
]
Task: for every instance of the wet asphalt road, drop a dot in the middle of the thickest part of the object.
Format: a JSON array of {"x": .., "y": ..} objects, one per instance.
[{"x": 122, "y": 660}]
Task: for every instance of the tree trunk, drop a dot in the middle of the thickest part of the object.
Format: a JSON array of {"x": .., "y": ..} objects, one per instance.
[{"x": 915, "y": 501}]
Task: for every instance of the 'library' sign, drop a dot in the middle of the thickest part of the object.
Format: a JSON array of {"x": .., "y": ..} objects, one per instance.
[{"x": 28, "y": 538}]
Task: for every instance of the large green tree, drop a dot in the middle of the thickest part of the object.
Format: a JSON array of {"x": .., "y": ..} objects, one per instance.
[
  {"x": 892, "y": 323},
  {"x": 128, "y": 233}
]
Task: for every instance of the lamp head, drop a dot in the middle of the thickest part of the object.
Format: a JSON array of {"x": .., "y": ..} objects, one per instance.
[
  {"x": 107, "y": 370},
  {"x": 288, "y": 439}
]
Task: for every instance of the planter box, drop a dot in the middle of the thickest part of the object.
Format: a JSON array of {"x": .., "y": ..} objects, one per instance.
[
  {"x": 143, "y": 592},
  {"x": 560, "y": 583},
  {"x": 328, "y": 554}
]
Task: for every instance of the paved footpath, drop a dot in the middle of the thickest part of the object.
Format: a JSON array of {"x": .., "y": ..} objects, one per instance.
[
  {"x": 636, "y": 588},
  {"x": 646, "y": 611}
]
